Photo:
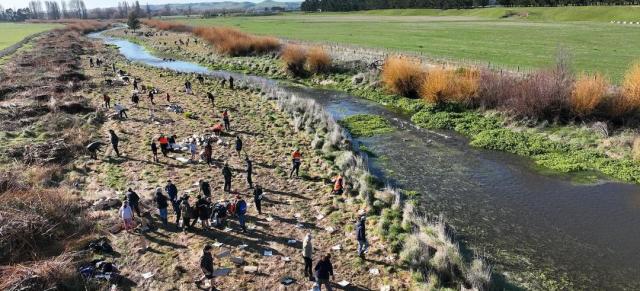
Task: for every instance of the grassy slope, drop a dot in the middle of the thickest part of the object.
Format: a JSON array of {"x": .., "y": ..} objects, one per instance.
[
  {"x": 484, "y": 37},
  {"x": 11, "y": 33}
]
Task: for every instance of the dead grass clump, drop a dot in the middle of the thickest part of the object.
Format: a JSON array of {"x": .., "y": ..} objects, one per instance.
[
  {"x": 587, "y": 94},
  {"x": 40, "y": 275},
  {"x": 402, "y": 76},
  {"x": 37, "y": 223},
  {"x": 294, "y": 58},
  {"x": 87, "y": 26},
  {"x": 445, "y": 85},
  {"x": 318, "y": 60},
  {"x": 435, "y": 85}
]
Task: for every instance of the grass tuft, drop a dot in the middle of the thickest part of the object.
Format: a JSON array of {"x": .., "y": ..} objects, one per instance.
[
  {"x": 587, "y": 94},
  {"x": 402, "y": 76}
]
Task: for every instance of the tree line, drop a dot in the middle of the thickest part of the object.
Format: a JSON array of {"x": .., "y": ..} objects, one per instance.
[
  {"x": 354, "y": 5},
  {"x": 71, "y": 9}
]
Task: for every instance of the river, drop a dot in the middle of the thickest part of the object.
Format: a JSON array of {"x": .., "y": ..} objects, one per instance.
[{"x": 529, "y": 225}]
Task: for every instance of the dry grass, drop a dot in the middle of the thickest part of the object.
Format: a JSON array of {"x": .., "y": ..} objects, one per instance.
[
  {"x": 38, "y": 222},
  {"x": 588, "y": 93},
  {"x": 445, "y": 85},
  {"x": 631, "y": 89},
  {"x": 38, "y": 275},
  {"x": 402, "y": 76},
  {"x": 318, "y": 60},
  {"x": 435, "y": 85},
  {"x": 227, "y": 41},
  {"x": 635, "y": 149},
  {"x": 294, "y": 58}
]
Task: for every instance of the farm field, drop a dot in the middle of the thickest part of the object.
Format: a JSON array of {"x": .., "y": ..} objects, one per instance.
[
  {"x": 479, "y": 35},
  {"x": 11, "y": 33}
]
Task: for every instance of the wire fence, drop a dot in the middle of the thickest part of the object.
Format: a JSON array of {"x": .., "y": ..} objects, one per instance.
[{"x": 350, "y": 52}]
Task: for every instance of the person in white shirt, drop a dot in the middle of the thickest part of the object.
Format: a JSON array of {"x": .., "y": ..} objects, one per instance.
[{"x": 126, "y": 213}]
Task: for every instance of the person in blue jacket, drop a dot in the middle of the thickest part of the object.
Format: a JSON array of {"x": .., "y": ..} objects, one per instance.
[{"x": 241, "y": 211}]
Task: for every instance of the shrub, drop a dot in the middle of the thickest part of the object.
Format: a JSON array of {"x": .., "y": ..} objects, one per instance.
[
  {"x": 494, "y": 89},
  {"x": 631, "y": 89},
  {"x": 541, "y": 95},
  {"x": 587, "y": 94},
  {"x": 294, "y": 58},
  {"x": 402, "y": 76},
  {"x": 318, "y": 61}
]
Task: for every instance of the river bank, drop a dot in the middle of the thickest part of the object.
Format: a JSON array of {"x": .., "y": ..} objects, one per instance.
[{"x": 269, "y": 66}]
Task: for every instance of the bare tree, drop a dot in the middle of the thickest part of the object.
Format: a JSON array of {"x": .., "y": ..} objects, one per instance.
[{"x": 148, "y": 11}]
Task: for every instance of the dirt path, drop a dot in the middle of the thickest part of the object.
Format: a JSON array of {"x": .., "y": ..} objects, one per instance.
[{"x": 292, "y": 207}]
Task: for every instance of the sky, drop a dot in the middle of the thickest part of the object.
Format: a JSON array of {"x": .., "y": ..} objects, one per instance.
[{"x": 113, "y": 3}]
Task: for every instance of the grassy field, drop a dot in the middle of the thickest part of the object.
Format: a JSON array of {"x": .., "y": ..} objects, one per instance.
[
  {"x": 11, "y": 33},
  {"x": 471, "y": 35}
]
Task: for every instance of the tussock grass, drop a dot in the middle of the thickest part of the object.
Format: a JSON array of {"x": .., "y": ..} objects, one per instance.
[
  {"x": 226, "y": 40},
  {"x": 294, "y": 57},
  {"x": 631, "y": 89},
  {"x": 318, "y": 60},
  {"x": 588, "y": 93},
  {"x": 635, "y": 149},
  {"x": 402, "y": 76}
]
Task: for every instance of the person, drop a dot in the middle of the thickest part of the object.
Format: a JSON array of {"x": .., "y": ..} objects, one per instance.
[
  {"x": 113, "y": 67},
  {"x": 323, "y": 270},
  {"x": 219, "y": 214},
  {"x": 107, "y": 101},
  {"x": 241, "y": 211},
  {"x": 193, "y": 149},
  {"x": 90, "y": 62},
  {"x": 225, "y": 118},
  {"x": 212, "y": 98},
  {"x": 338, "y": 185},
  {"x": 238, "y": 145},
  {"x": 361, "y": 236},
  {"x": 206, "y": 265},
  {"x": 164, "y": 144},
  {"x": 151, "y": 97},
  {"x": 172, "y": 192},
  {"x": 249, "y": 171},
  {"x": 257, "y": 198},
  {"x": 127, "y": 215},
  {"x": 122, "y": 112},
  {"x": 135, "y": 99},
  {"x": 168, "y": 98},
  {"x": 202, "y": 206},
  {"x": 296, "y": 160},
  {"x": 226, "y": 172},
  {"x": 307, "y": 255},
  {"x": 134, "y": 200},
  {"x": 154, "y": 151},
  {"x": 161, "y": 202},
  {"x": 172, "y": 142},
  {"x": 205, "y": 188},
  {"x": 208, "y": 152},
  {"x": 200, "y": 78},
  {"x": 231, "y": 82},
  {"x": 135, "y": 84},
  {"x": 114, "y": 141},
  {"x": 187, "y": 87},
  {"x": 94, "y": 148},
  {"x": 217, "y": 129},
  {"x": 185, "y": 212}
]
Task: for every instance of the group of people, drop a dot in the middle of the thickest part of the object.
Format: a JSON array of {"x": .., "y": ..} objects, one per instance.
[{"x": 214, "y": 214}]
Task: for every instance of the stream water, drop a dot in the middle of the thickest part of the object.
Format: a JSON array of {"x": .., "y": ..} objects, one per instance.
[{"x": 528, "y": 224}]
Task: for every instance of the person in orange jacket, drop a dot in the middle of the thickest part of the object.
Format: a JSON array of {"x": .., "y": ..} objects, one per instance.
[
  {"x": 338, "y": 185},
  {"x": 296, "y": 158}
]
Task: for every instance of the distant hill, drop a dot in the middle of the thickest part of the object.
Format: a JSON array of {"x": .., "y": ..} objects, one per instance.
[{"x": 228, "y": 5}]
